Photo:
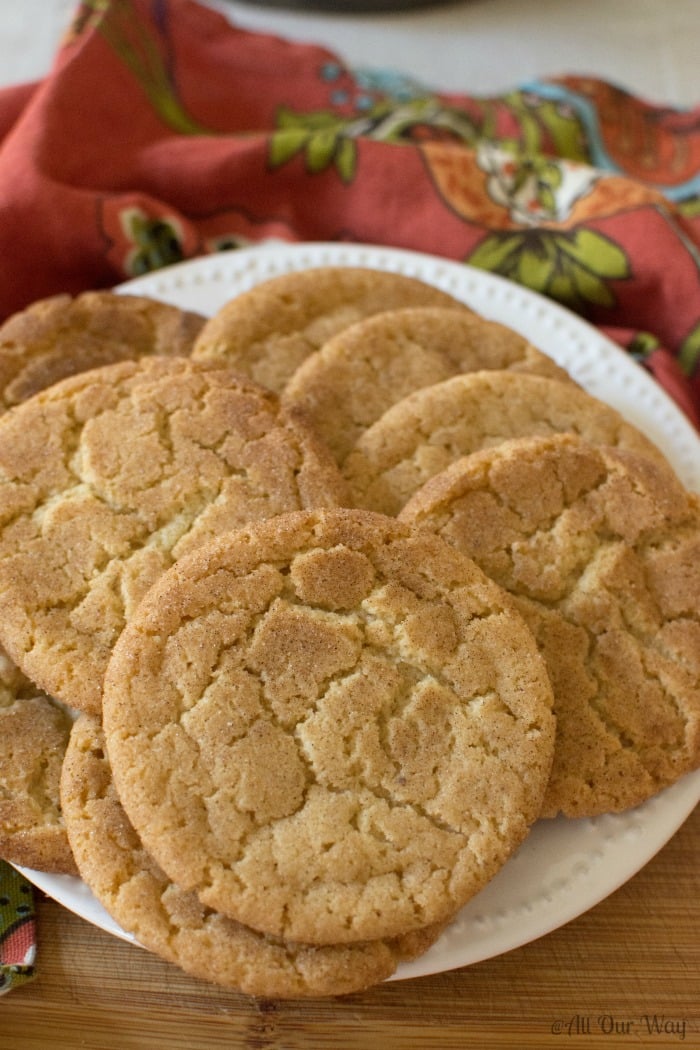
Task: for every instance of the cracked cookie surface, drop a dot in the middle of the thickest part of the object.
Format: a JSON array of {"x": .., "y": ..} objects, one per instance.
[
  {"x": 266, "y": 332},
  {"x": 175, "y": 925},
  {"x": 329, "y": 725},
  {"x": 62, "y": 336},
  {"x": 601, "y": 551},
  {"x": 426, "y": 431},
  {"x": 350, "y": 382},
  {"x": 108, "y": 477},
  {"x": 34, "y": 732}
]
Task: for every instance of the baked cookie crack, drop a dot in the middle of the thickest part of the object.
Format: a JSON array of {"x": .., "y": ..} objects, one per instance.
[{"x": 333, "y": 786}]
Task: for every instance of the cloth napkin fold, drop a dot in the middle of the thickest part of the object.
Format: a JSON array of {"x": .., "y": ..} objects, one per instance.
[{"x": 163, "y": 132}]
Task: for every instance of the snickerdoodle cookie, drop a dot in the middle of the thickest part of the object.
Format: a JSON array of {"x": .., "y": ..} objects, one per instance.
[
  {"x": 350, "y": 382},
  {"x": 267, "y": 331},
  {"x": 331, "y": 726},
  {"x": 426, "y": 431},
  {"x": 34, "y": 733},
  {"x": 175, "y": 925},
  {"x": 107, "y": 477},
  {"x": 61, "y": 336},
  {"x": 601, "y": 551}
]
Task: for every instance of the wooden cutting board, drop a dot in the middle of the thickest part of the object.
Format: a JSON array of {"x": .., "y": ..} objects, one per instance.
[{"x": 625, "y": 974}]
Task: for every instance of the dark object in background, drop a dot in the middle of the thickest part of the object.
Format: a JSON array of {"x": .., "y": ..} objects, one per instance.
[{"x": 349, "y": 7}]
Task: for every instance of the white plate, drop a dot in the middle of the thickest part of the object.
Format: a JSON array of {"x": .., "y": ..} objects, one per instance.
[{"x": 565, "y": 866}]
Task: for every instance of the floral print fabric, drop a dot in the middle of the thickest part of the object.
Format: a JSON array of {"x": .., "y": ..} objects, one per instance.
[
  {"x": 17, "y": 933},
  {"x": 163, "y": 132}
]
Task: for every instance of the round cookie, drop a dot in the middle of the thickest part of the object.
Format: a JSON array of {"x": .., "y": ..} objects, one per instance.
[
  {"x": 601, "y": 551},
  {"x": 426, "y": 431},
  {"x": 109, "y": 476},
  {"x": 174, "y": 924},
  {"x": 62, "y": 336},
  {"x": 266, "y": 332},
  {"x": 330, "y": 726},
  {"x": 34, "y": 732},
  {"x": 360, "y": 373}
]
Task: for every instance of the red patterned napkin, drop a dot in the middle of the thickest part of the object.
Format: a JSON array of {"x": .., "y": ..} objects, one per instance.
[
  {"x": 17, "y": 929},
  {"x": 163, "y": 133}
]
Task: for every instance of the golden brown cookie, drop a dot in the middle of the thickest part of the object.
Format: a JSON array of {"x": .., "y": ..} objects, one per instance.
[
  {"x": 429, "y": 429},
  {"x": 266, "y": 332},
  {"x": 601, "y": 550},
  {"x": 174, "y": 924},
  {"x": 109, "y": 476},
  {"x": 350, "y": 382},
  {"x": 61, "y": 336},
  {"x": 34, "y": 733},
  {"x": 330, "y": 726}
]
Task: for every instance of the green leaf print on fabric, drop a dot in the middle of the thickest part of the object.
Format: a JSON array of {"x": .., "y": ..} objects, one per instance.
[
  {"x": 548, "y": 127},
  {"x": 320, "y": 138},
  {"x": 516, "y": 122},
  {"x": 139, "y": 49},
  {"x": 157, "y": 242},
  {"x": 572, "y": 267},
  {"x": 642, "y": 344},
  {"x": 689, "y": 352}
]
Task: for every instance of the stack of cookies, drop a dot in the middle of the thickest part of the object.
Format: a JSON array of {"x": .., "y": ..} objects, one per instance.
[{"x": 310, "y": 610}]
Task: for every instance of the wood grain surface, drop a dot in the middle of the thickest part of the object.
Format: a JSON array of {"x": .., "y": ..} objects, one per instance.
[{"x": 627, "y": 973}]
